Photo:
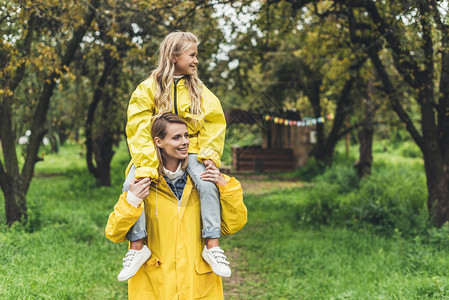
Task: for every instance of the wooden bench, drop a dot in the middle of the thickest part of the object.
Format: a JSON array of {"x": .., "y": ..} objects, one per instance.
[{"x": 258, "y": 159}]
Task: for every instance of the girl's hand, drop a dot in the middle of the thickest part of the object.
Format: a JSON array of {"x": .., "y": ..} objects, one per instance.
[
  {"x": 140, "y": 187},
  {"x": 208, "y": 162},
  {"x": 213, "y": 174}
]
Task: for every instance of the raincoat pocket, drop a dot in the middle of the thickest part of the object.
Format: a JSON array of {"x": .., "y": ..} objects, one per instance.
[
  {"x": 205, "y": 280},
  {"x": 202, "y": 267},
  {"x": 153, "y": 262}
]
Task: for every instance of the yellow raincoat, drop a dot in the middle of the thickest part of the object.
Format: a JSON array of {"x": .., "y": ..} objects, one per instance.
[
  {"x": 176, "y": 269},
  {"x": 207, "y": 134}
]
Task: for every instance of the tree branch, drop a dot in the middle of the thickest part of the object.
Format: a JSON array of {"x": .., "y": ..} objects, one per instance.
[
  {"x": 427, "y": 38},
  {"x": 344, "y": 100},
  {"x": 403, "y": 61},
  {"x": 348, "y": 130},
  {"x": 392, "y": 92},
  {"x": 20, "y": 72}
]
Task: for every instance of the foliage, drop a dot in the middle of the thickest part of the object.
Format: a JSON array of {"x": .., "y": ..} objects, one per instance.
[{"x": 391, "y": 200}]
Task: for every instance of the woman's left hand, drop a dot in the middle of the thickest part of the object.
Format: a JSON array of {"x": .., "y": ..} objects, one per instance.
[{"x": 212, "y": 173}]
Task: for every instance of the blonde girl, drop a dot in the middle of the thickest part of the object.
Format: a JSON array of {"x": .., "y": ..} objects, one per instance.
[{"x": 175, "y": 87}]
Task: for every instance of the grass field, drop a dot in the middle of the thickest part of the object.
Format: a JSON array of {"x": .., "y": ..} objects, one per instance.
[{"x": 330, "y": 238}]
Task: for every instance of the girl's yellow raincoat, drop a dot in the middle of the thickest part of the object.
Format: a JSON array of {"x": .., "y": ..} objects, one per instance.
[
  {"x": 176, "y": 269},
  {"x": 207, "y": 135}
]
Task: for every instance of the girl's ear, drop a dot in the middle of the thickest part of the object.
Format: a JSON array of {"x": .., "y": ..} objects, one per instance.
[
  {"x": 174, "y": 59},
  {"x": 158, "y": 142}
]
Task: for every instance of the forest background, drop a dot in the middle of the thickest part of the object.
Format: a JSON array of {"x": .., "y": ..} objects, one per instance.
[{"x": 365, "y": 221}]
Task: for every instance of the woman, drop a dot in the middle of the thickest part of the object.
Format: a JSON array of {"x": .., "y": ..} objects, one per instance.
[{"x": 176, "y": 269}]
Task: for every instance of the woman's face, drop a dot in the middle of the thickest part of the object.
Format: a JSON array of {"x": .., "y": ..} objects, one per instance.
[
  {"x": 176, "y": 142},
  {"x": 185, "y": 64}
]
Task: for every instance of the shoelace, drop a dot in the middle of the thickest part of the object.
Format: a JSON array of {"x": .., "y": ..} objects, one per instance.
[
  {"x": 220, "y": 257},
  {"x": 128, "y": 259}
]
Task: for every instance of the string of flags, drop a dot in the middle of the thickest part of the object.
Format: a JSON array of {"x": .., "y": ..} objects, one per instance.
[{"x": 303, "y": 123}]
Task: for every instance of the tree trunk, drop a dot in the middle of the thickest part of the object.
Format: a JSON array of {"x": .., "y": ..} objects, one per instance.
[
  {"x": 97, "y": 145},
  {"x": 53, "y": 143},
  {"x": 438, "y": 190},
  {"x": 366, "y": 151},
  {"x": 15, "y": 200},
  {"x": 103, "y": 157},
  {"x": 325, "y": 147},
  {"x": 366, "y": 134}
]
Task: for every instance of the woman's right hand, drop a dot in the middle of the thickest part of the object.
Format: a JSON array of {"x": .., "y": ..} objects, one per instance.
[{"x": 140, "y": 187}]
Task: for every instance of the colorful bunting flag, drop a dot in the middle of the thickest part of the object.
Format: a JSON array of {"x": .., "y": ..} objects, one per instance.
[{"x": 306, "y": 122}]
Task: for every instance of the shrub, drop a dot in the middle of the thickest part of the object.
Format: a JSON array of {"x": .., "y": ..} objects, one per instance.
[
  {"x": 391, "y": 200},
  {"x": 344, "y": 176},
  {"x": 409, "y": 149},
  {"x": 311, "y": 170}
]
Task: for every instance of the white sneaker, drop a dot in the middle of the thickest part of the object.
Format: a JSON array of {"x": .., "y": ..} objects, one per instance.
[
  {"x": 132, "y": 262},
  {"x": 217, "y": 260}
]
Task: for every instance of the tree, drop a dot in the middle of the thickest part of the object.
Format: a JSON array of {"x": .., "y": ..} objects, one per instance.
[
  {"x": 415, "y": 38},
  {"x": 43, "y": 40}
]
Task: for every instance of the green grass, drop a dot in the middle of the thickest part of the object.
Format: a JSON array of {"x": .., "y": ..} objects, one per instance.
[
  {"x": 338, "y": 238},
  {"x": 300, "y": 243},
  {"x": 66, "y": 256},
  {"x": 283, "y": 259},
  {"x": 334, "y": 263}
]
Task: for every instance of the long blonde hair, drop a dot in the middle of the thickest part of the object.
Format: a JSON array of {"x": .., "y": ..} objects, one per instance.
[
  {"x": 159, "y": 130},
  {"x": 173, "y": 46}
]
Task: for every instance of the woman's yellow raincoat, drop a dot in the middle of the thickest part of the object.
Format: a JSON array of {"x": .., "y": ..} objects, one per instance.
[
  {"x": 207, "y": 135},
  {"x": 176, "y": 269}
]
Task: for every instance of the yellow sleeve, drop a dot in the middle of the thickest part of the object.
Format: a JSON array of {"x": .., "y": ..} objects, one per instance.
[
  {"x": 212, "y": 134},
  {"x": 233, "y": 211},
  {"x": 138, "y": 131},
  {"x": 122, "y": 219}
]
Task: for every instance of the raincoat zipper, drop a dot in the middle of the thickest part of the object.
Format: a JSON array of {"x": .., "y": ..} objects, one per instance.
[{"x": 174, "y": 96}]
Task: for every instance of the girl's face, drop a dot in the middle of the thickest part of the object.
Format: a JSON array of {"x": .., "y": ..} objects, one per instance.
[
  {"x": 185, "y": 64},
  {"x": 176, "y": 142}
]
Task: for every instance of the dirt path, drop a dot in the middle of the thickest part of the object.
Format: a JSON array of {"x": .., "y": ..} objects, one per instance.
[
  {"x": 231, "y": 285},
  {"x": 262, "y": 184},
  {"x": 256, "y": 185}
]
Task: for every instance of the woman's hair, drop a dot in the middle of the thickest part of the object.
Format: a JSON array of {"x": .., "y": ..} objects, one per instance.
[
  {"x": 159, "y": 129},
  {"x": 173, "y": 46}
]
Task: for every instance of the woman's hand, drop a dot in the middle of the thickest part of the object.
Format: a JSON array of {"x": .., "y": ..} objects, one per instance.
[
  {"x": 213, "y": 174},
  {"x": 140, "y": 187}
]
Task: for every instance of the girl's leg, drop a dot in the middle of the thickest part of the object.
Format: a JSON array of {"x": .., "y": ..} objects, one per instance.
[
  {"x": 209, "y": 198},
  {"x": 138, "y": 231},
  {"x": 138, "y": 253},
  {"x": 210, "y": 215}
]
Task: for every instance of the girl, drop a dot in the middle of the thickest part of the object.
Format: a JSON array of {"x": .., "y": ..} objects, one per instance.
[
  {"x": 174, "y": 87},
  {"x": 172, "y": 211}
]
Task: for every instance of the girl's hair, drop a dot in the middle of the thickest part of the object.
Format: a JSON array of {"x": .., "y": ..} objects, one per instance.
[
  {"x": 159, "y": 129},
  {"x": 173, "y": 46}
]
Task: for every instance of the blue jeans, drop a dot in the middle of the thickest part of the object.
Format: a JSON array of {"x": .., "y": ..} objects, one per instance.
[
  {"x": 138, "y": 230},
  {"x": 209, "y": 198}
]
